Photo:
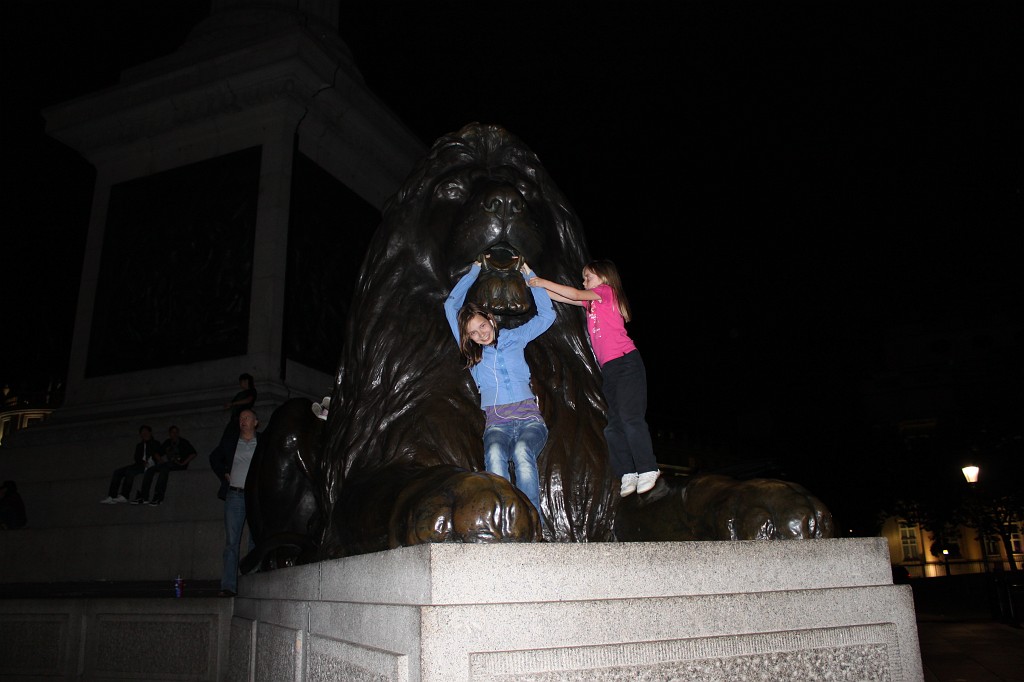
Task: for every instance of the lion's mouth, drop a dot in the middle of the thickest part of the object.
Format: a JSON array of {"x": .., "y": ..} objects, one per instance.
[
  {"x": 503, "y": 257},
  {"x": 501, "y": 287}
]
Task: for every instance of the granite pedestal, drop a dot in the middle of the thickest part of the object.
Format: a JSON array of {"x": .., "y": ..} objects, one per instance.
[{"x": 816, "y": 609}]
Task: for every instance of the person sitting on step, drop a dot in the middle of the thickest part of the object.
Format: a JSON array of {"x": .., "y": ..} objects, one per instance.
[{"x": 177, "y": 453}]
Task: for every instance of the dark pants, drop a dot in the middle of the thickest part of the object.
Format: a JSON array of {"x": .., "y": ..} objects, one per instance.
[
  {"x": 161, "y": 471},
  {"x": 124, "y": 477},
  {"x": 624, "y": 383}
]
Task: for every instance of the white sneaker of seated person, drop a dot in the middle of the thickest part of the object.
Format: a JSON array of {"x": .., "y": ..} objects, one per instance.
[
  {"x": 647, "y": 480},
  {"x": 114, "y": 500},
  {"x": 628, "y": 485}
]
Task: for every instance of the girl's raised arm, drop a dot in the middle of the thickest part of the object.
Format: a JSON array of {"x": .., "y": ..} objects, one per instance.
[{"x": 564, "y": 293}]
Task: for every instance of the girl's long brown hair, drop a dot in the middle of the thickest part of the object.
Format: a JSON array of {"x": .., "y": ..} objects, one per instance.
[
  {"x": 609, "y": 274},
  {"x": 470, "y": 349}
]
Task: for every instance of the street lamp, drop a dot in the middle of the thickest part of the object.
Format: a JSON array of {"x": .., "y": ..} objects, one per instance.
[{"x": 971, "y": 473}]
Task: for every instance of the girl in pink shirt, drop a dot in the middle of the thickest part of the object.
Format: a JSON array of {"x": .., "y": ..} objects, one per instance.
[{"x": 624, "y": 377}]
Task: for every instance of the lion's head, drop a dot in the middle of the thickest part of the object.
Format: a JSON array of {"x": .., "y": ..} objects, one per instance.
[{"x": 403, "y": 400}]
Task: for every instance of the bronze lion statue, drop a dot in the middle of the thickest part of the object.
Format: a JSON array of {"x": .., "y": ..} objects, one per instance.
[{"x": 399, "y": 460}]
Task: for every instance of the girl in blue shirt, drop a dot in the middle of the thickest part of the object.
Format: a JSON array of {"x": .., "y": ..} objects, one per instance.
[{"x": 514, "y": 430}]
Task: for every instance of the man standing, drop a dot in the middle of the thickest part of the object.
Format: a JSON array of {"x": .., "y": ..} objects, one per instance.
[
  {"x": 147, "y": 453},
  {"x": 220, "y": 457},
  {"x": 234, "y": 502},
  {"x": 177, "y": 453}
]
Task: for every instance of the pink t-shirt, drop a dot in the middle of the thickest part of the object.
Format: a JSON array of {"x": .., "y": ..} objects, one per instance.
[{"x": 606, "y": 327}]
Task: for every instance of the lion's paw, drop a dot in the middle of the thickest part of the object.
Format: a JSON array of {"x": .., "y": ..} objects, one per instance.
[
  {"x": 450, "y": 504},
  {"x": 721, "y": 508}
]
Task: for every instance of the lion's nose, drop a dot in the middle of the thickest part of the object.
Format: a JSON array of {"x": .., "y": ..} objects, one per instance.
[{"x": 504, "y": 202}]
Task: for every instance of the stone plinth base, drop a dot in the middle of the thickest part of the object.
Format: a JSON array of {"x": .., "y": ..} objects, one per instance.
[
  {"x": 822, "y": 609},
  {"x": 114, "y": 639}
]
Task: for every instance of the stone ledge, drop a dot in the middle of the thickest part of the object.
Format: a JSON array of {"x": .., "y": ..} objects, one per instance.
[{"x": 702, "y": 611}]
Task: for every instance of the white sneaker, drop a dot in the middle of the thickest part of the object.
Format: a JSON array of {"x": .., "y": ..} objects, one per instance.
[
  {"x": 647, "y": 480},
  {"x": 108, "y": 500},
  {"x": 120, "y": 499},
  {"x": 320, "y": 409},
  {"x": 628, "y": 485}
]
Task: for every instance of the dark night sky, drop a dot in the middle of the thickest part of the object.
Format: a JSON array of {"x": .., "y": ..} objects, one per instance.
[{"x": 779, "y": 182}]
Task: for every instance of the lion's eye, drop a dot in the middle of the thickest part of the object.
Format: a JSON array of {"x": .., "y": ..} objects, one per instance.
[
  {"x": 452, "y": 191},
  {"x": 528, "y": 190}
]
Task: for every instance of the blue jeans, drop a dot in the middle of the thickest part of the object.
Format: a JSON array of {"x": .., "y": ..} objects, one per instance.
[
  {"x": 518, "y": 442},
  {"x": 234, "y": 524}
]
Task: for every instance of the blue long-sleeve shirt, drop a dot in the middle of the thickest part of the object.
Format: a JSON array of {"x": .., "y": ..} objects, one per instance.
[{"x": 502, "y": 375}]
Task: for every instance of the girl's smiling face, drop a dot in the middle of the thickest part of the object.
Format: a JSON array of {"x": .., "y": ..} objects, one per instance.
[{"x": 480, "y": 330}]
